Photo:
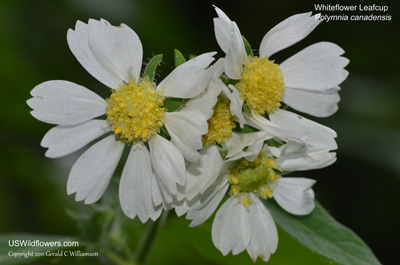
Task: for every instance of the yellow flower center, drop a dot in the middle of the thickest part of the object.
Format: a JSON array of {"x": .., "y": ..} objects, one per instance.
[
  {"x": 220, "y": 124},
  {"x": 259, "y": 176},
  {"x": 135, "y": 111},
  {"x": 261, "y": 85}
]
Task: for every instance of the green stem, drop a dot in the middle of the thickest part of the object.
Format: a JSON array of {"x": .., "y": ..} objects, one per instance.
[{"x": 148, "y": 239}]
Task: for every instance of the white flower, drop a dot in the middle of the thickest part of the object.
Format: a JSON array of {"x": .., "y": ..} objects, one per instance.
[
  {"x": 243, "y": 222},
  {"x": 308, "y": 81},
  {"x": 113, "y": 55},
  {"x": 220, "y": 105}
]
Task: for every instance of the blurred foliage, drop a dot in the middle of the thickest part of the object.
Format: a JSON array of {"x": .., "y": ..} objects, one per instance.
[{"x": 359, "y": 189}]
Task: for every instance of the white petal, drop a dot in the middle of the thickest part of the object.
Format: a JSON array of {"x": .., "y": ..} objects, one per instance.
[
  {"x": 231, "y": 227},
  {"x": 110, "y": 54},
  {"x": 236, "y": 103},
  {"x": 78, "y": 41},
  {"x": 217, "y": 69},
  {"x": 235, "y": 57},
  {"x": 239, "y": 141},
  {"x": 287, "y": 33},
  {"x": 167, "y": 163},
  {"x": 295, "y": 195},
  {"x": 205, "y": 102},
  {"x": 318, "y": 103},
  {"x": 199, "y": 216},
  {"x": 117, "y": 49},
  {"x": 275, "y": 151},
  {"x": 161, "y": 193},
  {"x": 189, "y": 79},
  {"x": 180, "y": 196},
  {"x": 64, "y": 140},
  {"x": 93, "y": 170},
  {"x": 186, "y": 128},
  {"x": 223, "y": 27},
  {"x": 286, "y": 126},
  {"x": 264, "y": 235},
  {"x": 65, "y": 103},
  {"x": 230, "y": 40},
  {"x": 311, "y": 132},
  {"x": 182, "y": 208},
  {"x": 169, "y": 201},
  {"x": 295, "y": 157},
  {"x": 250, "y": 153},
  {"x": 135, "y": 188},
  {"x": 202, "y": 174},
  {"x": 201, "y": 200},
  {"x": 317, "y": 67},
  {"x": 156, "y": 193},
  {"x": 271, "y": 129}
]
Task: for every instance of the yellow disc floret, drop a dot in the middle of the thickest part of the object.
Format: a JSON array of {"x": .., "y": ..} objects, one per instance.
[
  {"x": 220, "y": 124},
  {"x": 261, "y": 85},
  {"x": 135, "y": 111},
  {"x": 259, "y": 177}
]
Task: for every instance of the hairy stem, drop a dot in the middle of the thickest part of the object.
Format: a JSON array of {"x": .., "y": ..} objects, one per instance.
[{"x": 148, "y": 239}]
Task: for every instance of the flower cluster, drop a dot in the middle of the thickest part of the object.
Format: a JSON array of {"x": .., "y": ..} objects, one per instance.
[{"x": 230, "y": 139}]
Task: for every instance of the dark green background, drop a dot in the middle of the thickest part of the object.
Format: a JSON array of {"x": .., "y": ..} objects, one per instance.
[{"x": 360, "y": 190}]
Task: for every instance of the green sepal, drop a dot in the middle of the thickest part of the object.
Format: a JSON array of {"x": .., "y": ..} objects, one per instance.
[
  {"x": 172, "y": 104},
  {"x": 163, "y": 133},
  {"x": 284, "y": 106},
  {"x": 151, "y": 67},
  {"x": 179, "y": 58},
  {"x": 227, "y": 81},
  {"x": 275, "y": 142},
  {"x": 246, "y": 109},
  {"x": 223, "y": 151},
  {"x": 247, "y": 47},
  {"x": 246, "y": 129}
]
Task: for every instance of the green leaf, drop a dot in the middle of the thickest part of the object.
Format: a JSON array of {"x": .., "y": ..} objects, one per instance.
[
  {"x": 247, "y": 46},
  {"x": 179, "y": 58},
  {"x": 9, "y": 249},
  {"x": 151, "y": 67},
  {"x": 321, "y": 233}
]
